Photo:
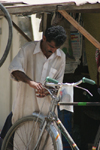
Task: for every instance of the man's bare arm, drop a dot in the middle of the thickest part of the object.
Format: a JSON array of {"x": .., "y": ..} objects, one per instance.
[{"x": 21, "y": 76}]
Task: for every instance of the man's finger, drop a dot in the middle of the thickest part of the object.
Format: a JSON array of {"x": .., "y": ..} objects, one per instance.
[{"x": 40, "y": 96}]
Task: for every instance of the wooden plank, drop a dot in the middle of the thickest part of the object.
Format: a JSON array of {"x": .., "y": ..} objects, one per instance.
[
  {"x": 27, "y": 10},
  {"x": 21, "y": 32},
  {"x": 44, "y": 22},
  {"x": 85, "y": 8},
  {"x": 80, "y": 28},
  {"x": 69, "y": 7},
  {"x": 31, "y": 9}
]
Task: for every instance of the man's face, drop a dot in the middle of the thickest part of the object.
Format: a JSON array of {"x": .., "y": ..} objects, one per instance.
[{"x": 48, "y": 48}]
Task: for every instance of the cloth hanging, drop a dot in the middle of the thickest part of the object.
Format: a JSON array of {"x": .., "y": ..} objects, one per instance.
[{"x": 97, "y": 56}]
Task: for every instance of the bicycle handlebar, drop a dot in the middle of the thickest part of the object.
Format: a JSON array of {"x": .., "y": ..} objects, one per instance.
[
  {"x": 86, "y": 80},
  {"x": 83, "y": 80},
  {"x": 48, "y": 79},
  {"x": 52, "y": 82}
]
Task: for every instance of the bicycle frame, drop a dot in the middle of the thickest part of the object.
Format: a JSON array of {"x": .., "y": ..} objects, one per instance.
[
  {"x": 48, "y": 122},
  {"x": 52, "y": 117},
  {"x": 66, "y": 134},
  {"x": 62, "y": 129},
  {"x": 56, "y": 101}
]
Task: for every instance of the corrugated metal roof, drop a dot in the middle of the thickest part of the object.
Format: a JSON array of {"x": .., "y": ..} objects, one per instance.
[{"x": 78, "y": 2}]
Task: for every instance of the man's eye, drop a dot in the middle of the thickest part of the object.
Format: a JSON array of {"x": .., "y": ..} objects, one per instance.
[{"x": 51, "y": 46}]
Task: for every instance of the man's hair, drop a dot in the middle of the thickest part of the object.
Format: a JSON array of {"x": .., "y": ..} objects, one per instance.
[{"x": 56, "y": 34}]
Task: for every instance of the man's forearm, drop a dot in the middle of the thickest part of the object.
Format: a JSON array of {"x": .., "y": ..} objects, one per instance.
[{"x": 21, "y": 76}]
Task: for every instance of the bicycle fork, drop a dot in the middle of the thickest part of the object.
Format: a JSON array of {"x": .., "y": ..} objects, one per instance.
[{"x": 66, "y": 134}]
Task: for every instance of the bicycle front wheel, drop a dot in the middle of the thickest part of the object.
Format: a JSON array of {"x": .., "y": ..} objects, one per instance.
[{"x": 24, "y": 135}]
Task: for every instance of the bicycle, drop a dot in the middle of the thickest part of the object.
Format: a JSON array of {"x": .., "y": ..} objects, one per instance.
[{"x": 40, "y": 129}]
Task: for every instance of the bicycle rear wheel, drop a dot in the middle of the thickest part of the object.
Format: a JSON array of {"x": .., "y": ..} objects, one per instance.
[
  {"x": 7, "y": 16},
  {"x": 24, "y": 134}
]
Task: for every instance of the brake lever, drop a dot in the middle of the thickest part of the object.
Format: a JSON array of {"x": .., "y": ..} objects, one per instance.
[{"x": 84, "y": 90}]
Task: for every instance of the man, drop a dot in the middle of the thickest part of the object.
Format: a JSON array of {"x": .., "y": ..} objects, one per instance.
[{"x": 30, "y": 67}]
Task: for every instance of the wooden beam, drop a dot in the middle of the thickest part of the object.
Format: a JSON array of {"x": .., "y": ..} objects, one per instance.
[
  {"x": 85, "y": 8},
  {"x": 69, "y": 7},
  {"x": 80, "y": 28},
  {"x": 44, "y": 22},
  {"x": 21, "y": 32}
]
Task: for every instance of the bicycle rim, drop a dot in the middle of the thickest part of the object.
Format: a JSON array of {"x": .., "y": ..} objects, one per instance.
[{"x": 24, "y": 134}]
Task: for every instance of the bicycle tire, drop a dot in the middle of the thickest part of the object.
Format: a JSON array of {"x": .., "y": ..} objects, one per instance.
[
  {"x": 6, "y": 145},
  {"x": 7, "y": 16}
]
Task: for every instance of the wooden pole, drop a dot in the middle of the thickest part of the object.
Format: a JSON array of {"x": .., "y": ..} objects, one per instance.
[
  {"x": 80, "y": 28},
  {"x": 44, "y": 22}
]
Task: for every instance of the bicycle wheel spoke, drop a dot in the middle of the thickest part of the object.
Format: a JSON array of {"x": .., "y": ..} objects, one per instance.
[
  {"x": 25, "y": 134},
  {"x": 16, "y": 147},
  {"x": 47, "y": 144},
  {"x": 19, "y": 135},
  {"x": 33, "y": 133},
  {"x": 10, "y": 146}
]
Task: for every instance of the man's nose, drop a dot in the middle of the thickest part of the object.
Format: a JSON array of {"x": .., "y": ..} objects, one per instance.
[{"x": 53, "y": 50}]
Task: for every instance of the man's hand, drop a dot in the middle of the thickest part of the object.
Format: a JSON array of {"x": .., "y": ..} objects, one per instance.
[
  {"x": 42, "y": 93},
  {"x": 40, "y": 90},
  {"x": 35, "y": 85}
]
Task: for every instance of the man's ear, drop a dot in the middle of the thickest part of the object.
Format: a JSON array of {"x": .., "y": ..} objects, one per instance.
[{"x": 44, "y": 38}]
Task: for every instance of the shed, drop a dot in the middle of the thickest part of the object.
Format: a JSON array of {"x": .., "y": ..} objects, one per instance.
[
  {"x": 89, "y": 9},
  {"x": 65, "y": 8}
]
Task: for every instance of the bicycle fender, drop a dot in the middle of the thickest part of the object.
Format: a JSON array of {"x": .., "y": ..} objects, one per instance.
[
  {"x": 57, "y": 137},
  {"x": 41, "y": 116}
]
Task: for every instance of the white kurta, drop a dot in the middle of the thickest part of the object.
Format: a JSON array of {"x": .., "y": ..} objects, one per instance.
[{"x": 34, "y": 64}]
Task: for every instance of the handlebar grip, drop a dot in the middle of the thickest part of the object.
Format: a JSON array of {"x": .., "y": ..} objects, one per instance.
[
  {"x": 48, "y": 79},
  {"x": 86, "y": 80}
]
